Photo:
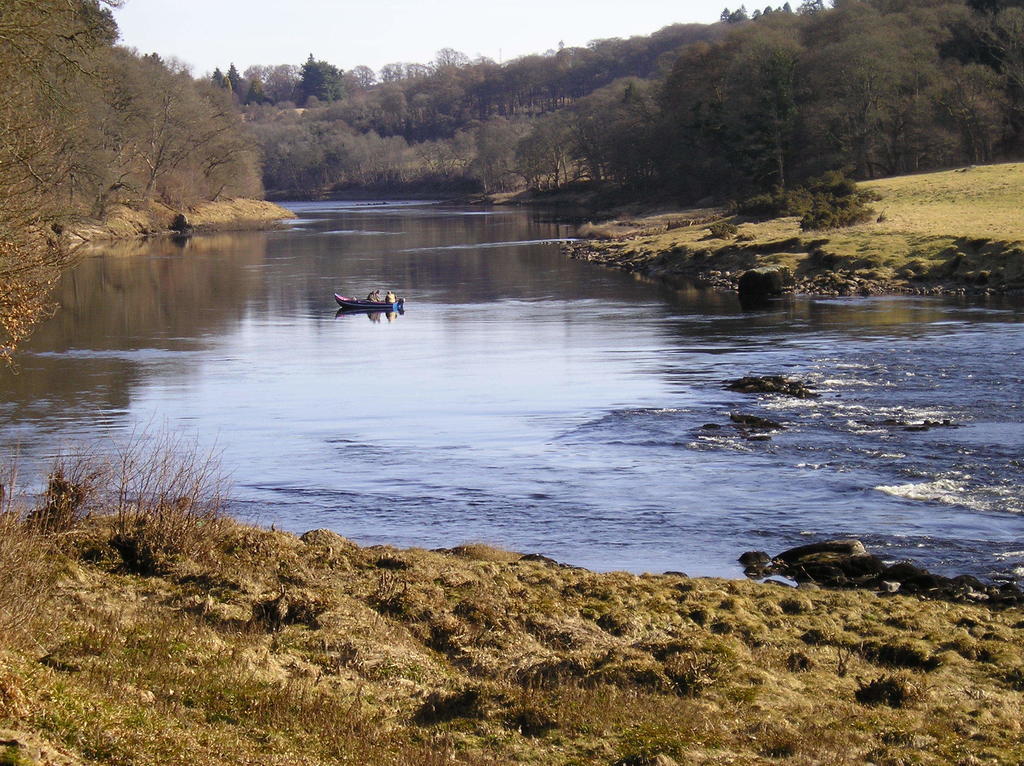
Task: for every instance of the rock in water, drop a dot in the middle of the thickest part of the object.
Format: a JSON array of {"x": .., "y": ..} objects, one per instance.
[
  {"x": 753, "y": 421},
  {"x": 771, "y": 384}
]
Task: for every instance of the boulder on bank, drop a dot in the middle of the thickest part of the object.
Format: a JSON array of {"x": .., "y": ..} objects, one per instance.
[
  {"x": 757, "y": 285},
  {"x": 181, "y": 225},
  {"x": 850, "y": 547}
]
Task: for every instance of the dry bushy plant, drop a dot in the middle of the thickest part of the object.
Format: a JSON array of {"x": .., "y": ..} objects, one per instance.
[
  {"x": 29, "y": 265},
  {"x": 168, "y": 502},
  {"x": 73, "y": 486}
]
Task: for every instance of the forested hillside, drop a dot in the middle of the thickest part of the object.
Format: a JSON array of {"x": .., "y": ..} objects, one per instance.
[
  {"x": 86, "y": 126},
  {"x": 757, "y": 100}
]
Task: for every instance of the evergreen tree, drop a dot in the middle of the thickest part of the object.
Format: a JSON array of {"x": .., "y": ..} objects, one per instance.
[
  {"x": 740, "y": 14},
  {"x": 320, "y": 80},
  {"x": 218, "y": 78},
  {"x": 234, "y": 79},
  {"x": 255, "y": 94}
]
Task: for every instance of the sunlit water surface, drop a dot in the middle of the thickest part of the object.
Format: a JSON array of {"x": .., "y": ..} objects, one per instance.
[{"x": 534, "y": 402}]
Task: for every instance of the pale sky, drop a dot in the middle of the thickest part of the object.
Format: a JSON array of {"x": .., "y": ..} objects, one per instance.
[{"x": 214, "y": 33}]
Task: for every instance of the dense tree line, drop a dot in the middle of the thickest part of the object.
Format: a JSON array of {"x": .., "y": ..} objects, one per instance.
[
  {"x": 762, "y": 99},
  {"x": 85, "y": 125}
]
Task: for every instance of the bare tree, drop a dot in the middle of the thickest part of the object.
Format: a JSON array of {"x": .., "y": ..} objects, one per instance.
[{"x": 44, "y": 49}]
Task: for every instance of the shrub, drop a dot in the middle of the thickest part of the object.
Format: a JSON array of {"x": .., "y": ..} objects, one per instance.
[
  {"x": 72, "y": 486},
  {"x": 723, "y": 230},
  {"x": 831, "y": 201},
  {"x": 777, "y": 203},
  {"x": 836, "y": 202}
]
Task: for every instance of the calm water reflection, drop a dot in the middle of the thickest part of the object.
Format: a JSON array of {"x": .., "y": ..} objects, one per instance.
[{"x": 534, "y": 402}]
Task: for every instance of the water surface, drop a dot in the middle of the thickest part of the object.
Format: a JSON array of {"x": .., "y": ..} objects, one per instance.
[{"x": 534, "y": 402}]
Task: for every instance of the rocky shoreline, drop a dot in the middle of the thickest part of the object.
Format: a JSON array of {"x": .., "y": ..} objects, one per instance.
[{"x": 846, "y": 564}]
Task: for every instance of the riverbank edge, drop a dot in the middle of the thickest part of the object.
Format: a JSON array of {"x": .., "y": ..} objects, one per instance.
[
  {"x": 950, "y": 265},
  {"x": 485, "y": 654},
  {"x": 156, "y": 219},
  {"x": 951, "y": 232}
]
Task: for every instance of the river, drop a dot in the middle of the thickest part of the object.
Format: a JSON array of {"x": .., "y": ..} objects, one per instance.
[{"x": 534, "y": 402}]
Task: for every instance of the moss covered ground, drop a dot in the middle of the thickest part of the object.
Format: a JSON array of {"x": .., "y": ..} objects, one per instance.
[
  {"x": 951, "y": 231},
  {"x": 262, "y": 647}
]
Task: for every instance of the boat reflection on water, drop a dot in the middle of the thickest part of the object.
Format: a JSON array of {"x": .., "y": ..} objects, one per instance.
[{"x": 374, "y": 315}]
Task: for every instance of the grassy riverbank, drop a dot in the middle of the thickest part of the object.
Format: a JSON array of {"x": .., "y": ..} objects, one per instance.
[
  {"x": 172, "y": 636},
  {"x": 952, "y": 231},
  {"x": 155, "y": 219}
]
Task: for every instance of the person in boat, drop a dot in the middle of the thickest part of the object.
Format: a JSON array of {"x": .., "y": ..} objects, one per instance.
[
  {"x": 390, "y": 297},
  {"x": 374, "y": 296}
]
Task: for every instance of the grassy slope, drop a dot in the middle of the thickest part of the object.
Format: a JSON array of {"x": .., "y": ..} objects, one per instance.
[
  {"x": 954, "y": 229},
  {"x": 409, "y": 656}
]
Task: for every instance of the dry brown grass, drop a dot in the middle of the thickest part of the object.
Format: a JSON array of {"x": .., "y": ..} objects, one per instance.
[
  {"x": 27, "y": 576},
  {"x": 236, "y": 212},
  {"x": 127, "y": 223}
]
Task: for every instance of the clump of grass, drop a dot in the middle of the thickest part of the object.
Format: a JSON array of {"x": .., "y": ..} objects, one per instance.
[
  {"x": 440, "y": 706},
  {"x": 899, "y": 655},
  {"x": 643, "y": 743},
  {"x": 1015, "y": 678},
  {"x": 691, "y": 673},
  {"x": 484, "y": 552},
  {"x": 892, "y": 690}
]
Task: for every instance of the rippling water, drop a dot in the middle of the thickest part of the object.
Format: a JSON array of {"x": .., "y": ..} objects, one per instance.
[{"x": 534, "y": 402}]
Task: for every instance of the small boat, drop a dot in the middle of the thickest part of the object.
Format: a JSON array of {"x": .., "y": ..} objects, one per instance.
[{"x": 354, "y": 304}]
